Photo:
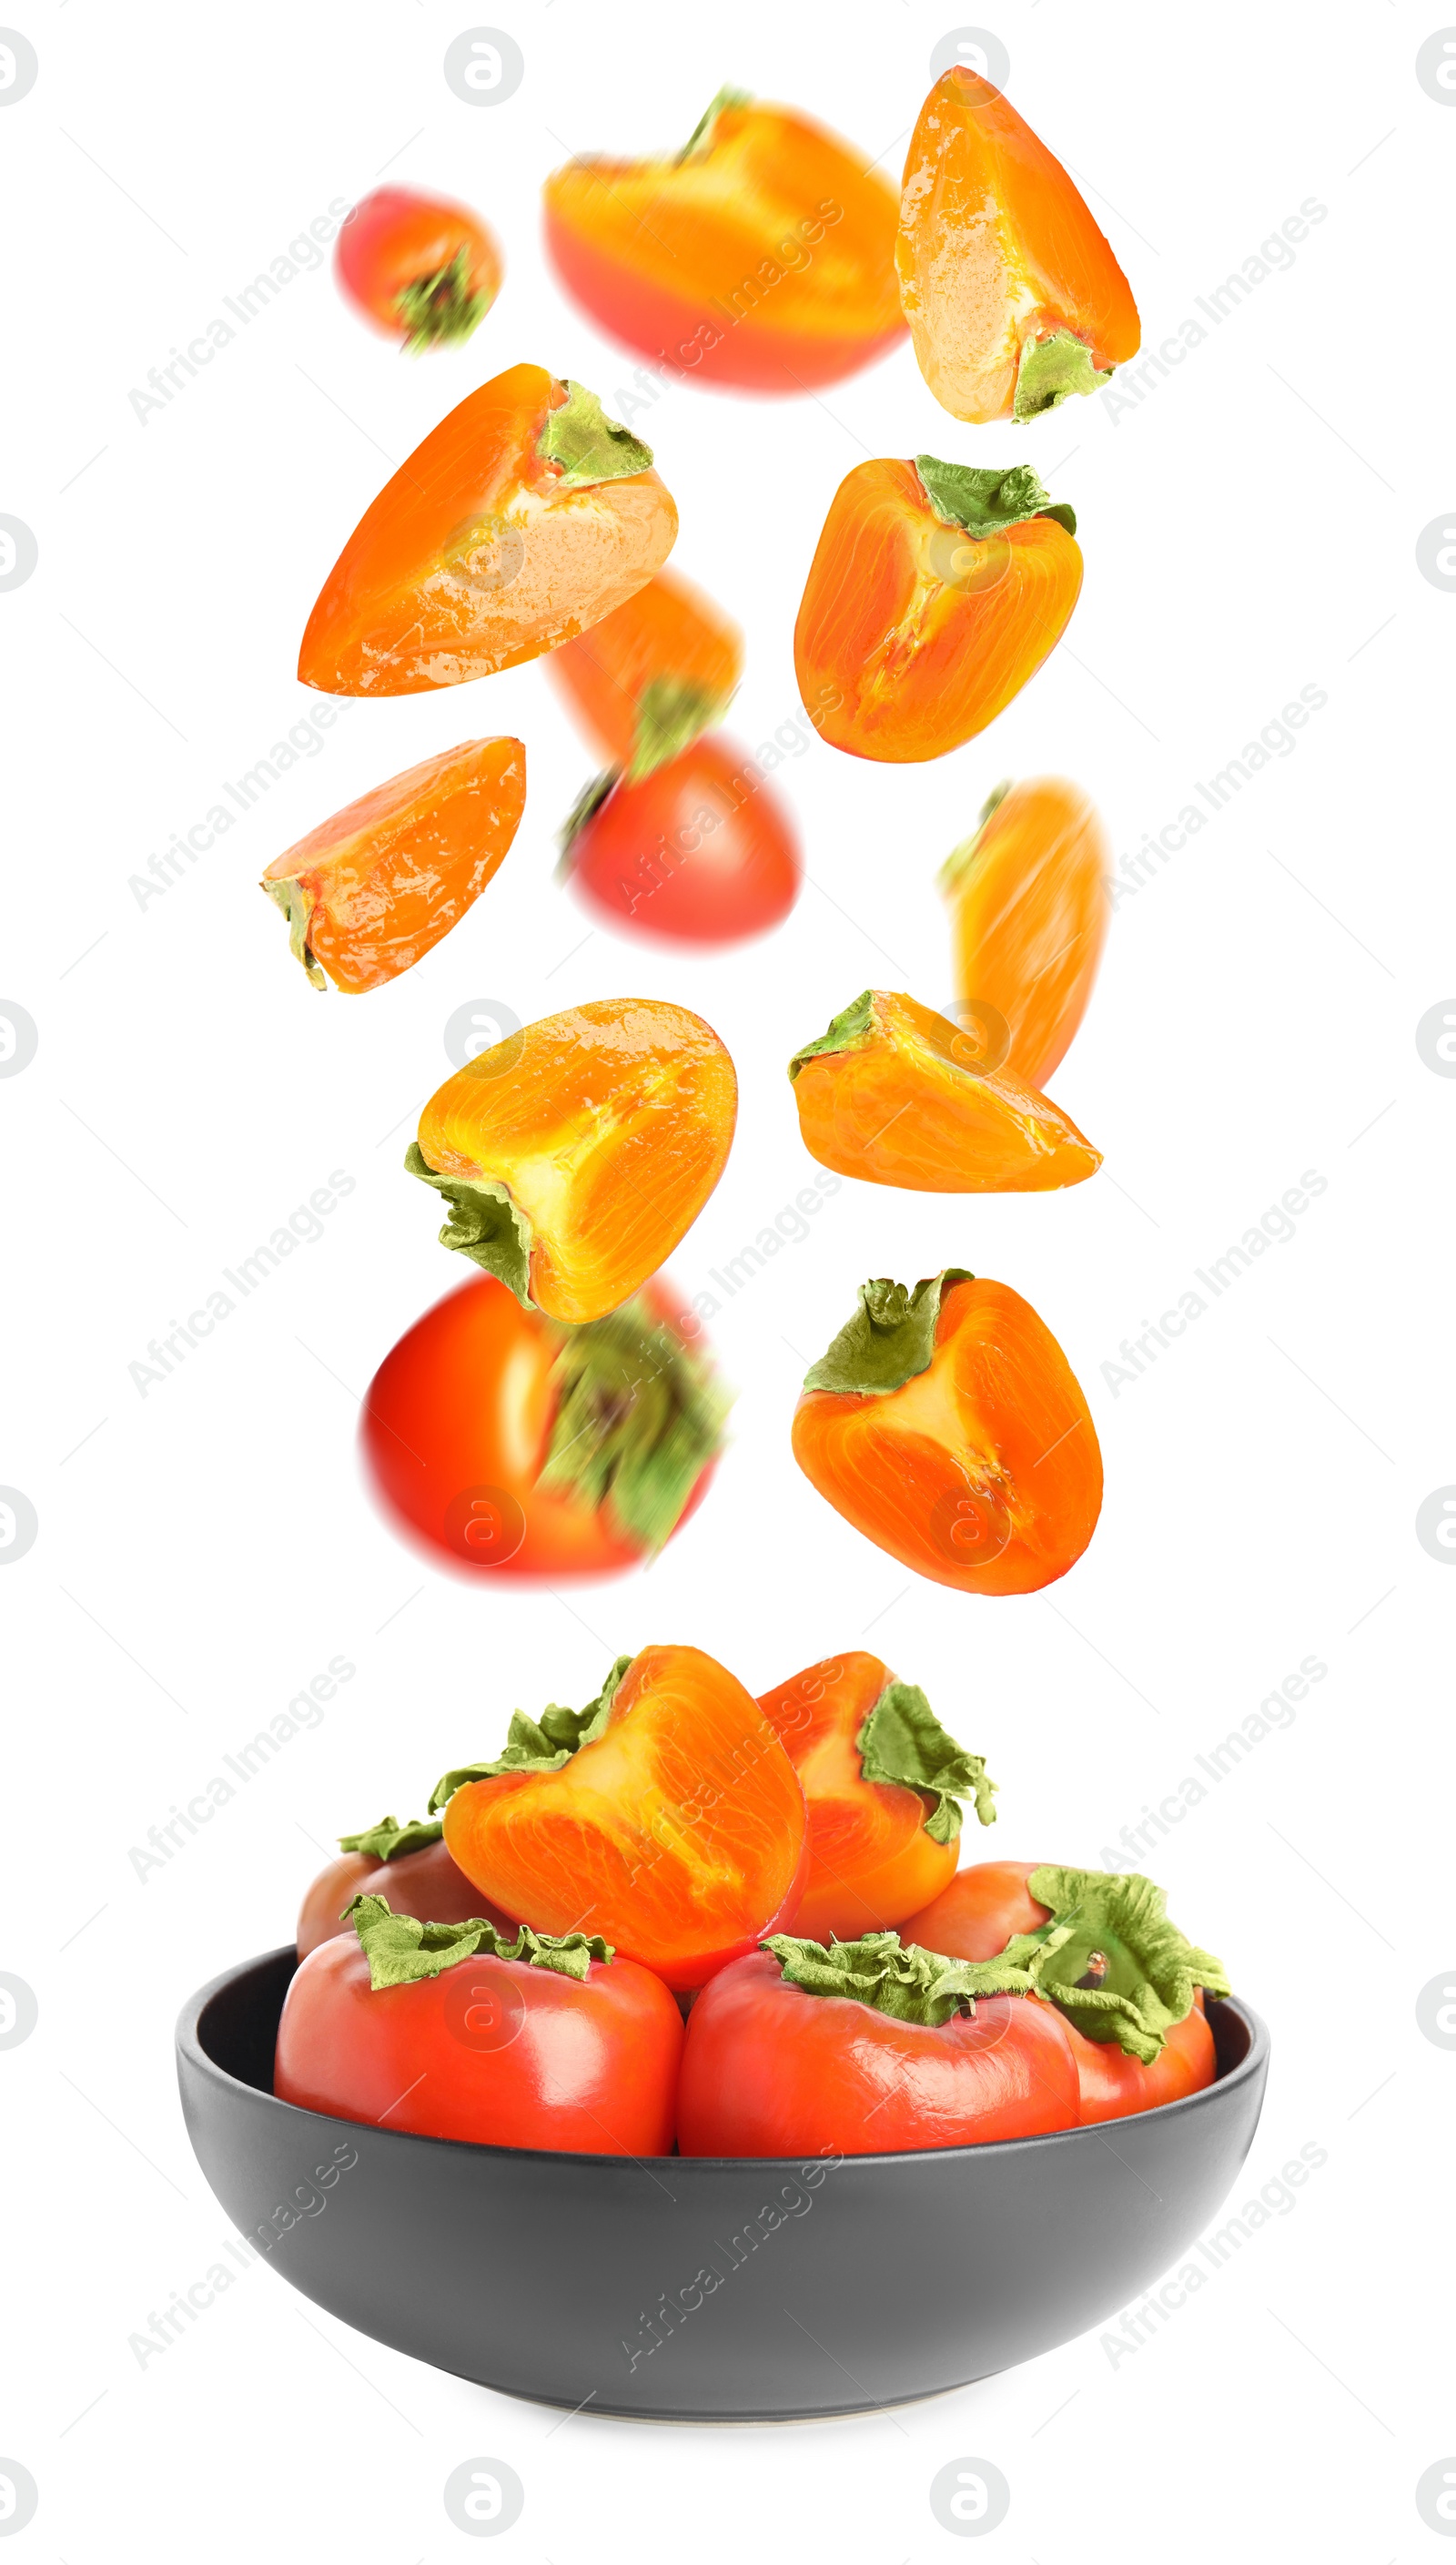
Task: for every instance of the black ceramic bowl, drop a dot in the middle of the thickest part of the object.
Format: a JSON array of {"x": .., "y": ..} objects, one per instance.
[{"x": 705, "y": 2288}]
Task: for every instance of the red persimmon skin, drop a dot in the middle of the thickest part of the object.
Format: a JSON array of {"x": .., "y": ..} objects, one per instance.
[
  {"x": 426, "y": 1883},
  {"x": 397, "y": 238},
  {"x": 975, "y": 1916},
  {"x": 1115, "y": 2086},
  {"x": 492, "y": 2050},
  {"x": 769, "y": 2070},
  {"x": 701, "y": 851}
]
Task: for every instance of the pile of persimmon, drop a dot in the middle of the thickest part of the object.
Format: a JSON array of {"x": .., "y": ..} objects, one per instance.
[{"x": 696, "y": 1901}]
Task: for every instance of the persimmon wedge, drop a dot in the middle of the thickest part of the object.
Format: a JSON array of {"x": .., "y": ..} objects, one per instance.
[
  {"x": 1014, "y": 300},
  {"x": 526, "y": 516},
  {"x": 761, "y": 255},
  {"x": 576, "y": 1152},
  {"x": 665, "y": 1815},
  {"x": 882, "y": 1780},
  {"x": 937, "y": 589},
  {"x": 892, "y": 1093},
  {"x": 652, "y": 675},
  {"x": 1028, "y": 893},
  {"x": 944, "y": 1423},
  {"x": 370, "y": 890}
]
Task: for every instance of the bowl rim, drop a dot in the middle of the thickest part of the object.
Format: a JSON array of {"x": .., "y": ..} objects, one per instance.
[{"x": 191, "y": 2052}]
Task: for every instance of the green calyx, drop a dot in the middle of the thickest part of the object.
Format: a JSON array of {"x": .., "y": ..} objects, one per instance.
[
  {"x": 853, "y": 1029},
  {"x": 638, "y": 1419},
  {"x": 588, "y": 444},
  {"x": 582, "y": 812},
  {"x": 890, "y": 1338},
  {"x": 896, "y": 1977},
  {"x": 960, "y": 859},
  {"x": 670, "y": 716},
  {"x": 293, "y": 899},
  {"x": 486, "y": 1225},
  {"x": 902, "y": 1741},
  {"x": 699, "y": 141},
  {"x": 985, "y": 502},
  {"x": 389, "y": 1840},
  {"x": 1054, "y": 369},
  {"x": 538, "y": 1745},
  {"x": 1110, "y": 1960},
  {"x": 442, "y": 309},
  {"x": 400, "y": 1950}
]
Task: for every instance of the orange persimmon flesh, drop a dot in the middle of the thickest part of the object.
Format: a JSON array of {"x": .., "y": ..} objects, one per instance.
[
  {"x": 486, "y": 550},
  {"x": 761, "y": 255},
  {"x": 1029, "y": 902},
  {"x": 893, "y": 1095},
  {"x": 605, "y": 1128},
  {"x": 667, "y": 652},
  {"x": 371, "y": 889},
  {"x": 913, "y": 634},
  {"x": 679, "y": 1832},
  {"x": 869, "y": 1852},
  {"x": 1013, "y": 297},
  {"x": 983, "y": 1471}
]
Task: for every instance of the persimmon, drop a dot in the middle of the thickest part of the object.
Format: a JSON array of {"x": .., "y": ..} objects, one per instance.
[
  {"x": 761, "y": 255},
  {"x": 893, "y": 1093},
  {"x": 422, "y": 269},
  {"x": 937, "y": 589},
  {"x": 1014, "y": 299},
  {"x": 1099, "y": 1943},
  {"x": 576, "y": 1153},
  {"x": 701, "y": 850},
  {"x": 408, "y": 1864},
  {"x": 1029, "y": 903},
  {"x": 666, "y": 1815},
  {"x": 944, "y": 1423},
  {"x": 370, "y": 890},
  {"x": 503, "y": 1444},
  {"x": 653, "y": 674},
  {"x": 526, "y": 516},
  {"x": 882, "y": 1780}
]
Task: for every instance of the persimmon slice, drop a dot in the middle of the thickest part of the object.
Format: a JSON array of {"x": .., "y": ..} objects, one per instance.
[
  {"x": 666, "y": 1815},
  {"x": 576, "y": 1153},
  {"x": 895, "y": 1094},
  {"x": 1029, "y": 903},
  {"x": 653, "y": 674},
  {"x": 370, "y": 890}
]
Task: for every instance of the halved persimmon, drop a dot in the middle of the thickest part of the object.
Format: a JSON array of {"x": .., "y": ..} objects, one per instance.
[
  {"x": 937, "y": 589},
  {"x": 761, "y": 255},
  {"x": 665, "y": 1815},
  {"x": 653, "y": 674},
  {"x": 1029, "y": 903},
  {"x": 945, "y": 1423},
  {"x": 370, "y": 890},
  {"x": 524, "y": 516},
  {"x": 897, "y": 1096},
  {"x": 882, "y": 1780},
  {"x": 576, "y": 1153},
  {"x": 1013, "y": 297}
]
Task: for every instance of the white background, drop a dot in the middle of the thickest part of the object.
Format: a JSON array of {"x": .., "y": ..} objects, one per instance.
[{"x": 1249, "y": 529}]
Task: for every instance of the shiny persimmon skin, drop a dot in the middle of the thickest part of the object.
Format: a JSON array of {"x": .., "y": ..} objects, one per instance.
[
  {"x": 670, "y": 255},
  {"x": 913, "y": 634},
  {"x": 995, "y": 247},
  {"x": 911, "y": 1107},
  {"x": 472, "y": 558},
  {"x": 453, "y": 1433},
  {"x": 983, "y": 1472},
  {"x": 701, "y": 851},
  {"x": 610, "y": 1124},
  {"x": 426, "y": 1883},
  {"x": 1029, "y": 911},
  {"x": 769, "y": 2070},
  {"x": 392, "y": 872},
  {"x": 869, "y": 1852},
  {"x": 974, "y": 1918},
  {"x": 588, "y": 2068},
  {"x": 669, "y": 633},
  {"x": 680, "y": 1833},
  {"x": 396, "y": 238}
]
